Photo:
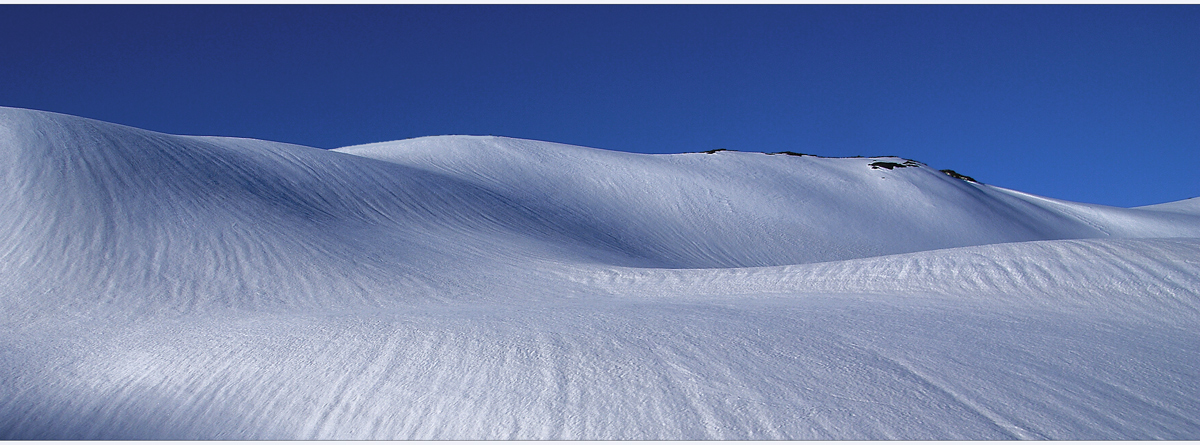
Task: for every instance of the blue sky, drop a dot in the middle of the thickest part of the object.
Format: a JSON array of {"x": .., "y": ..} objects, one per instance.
[{"x": 1096, "y": 104}]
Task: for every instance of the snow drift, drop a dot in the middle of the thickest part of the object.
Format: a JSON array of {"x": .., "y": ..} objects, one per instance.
[{"x": 174, "y": 287}]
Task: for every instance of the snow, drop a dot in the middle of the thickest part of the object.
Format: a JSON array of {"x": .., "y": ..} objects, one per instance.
[
  {"x": 1187, "y": 206},
  {"x": 173, "y": 287}
]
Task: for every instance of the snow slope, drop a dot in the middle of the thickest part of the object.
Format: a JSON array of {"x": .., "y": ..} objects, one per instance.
[
  {"x": 731, "y": 209},
  {"x": 1187, "y": 206},
  {"x": 169, "y": 287}
]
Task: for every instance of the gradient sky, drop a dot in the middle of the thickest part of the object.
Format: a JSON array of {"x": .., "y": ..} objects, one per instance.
[{"x": 1097, "y": 104}]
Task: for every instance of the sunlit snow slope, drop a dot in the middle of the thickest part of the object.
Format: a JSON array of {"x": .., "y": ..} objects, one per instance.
[{"x": 171, "y": 287}]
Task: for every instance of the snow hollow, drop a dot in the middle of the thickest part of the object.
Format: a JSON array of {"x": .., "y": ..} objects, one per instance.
[{"x": 174, "y": 287}]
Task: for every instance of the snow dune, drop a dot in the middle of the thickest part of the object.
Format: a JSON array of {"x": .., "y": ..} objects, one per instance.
[{"x": 176, "y": 287}]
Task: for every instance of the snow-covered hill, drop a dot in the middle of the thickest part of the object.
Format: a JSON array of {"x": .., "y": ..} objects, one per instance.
[
  {"x": 731, "y": 209},
  {"x": 174, "y": 287}
]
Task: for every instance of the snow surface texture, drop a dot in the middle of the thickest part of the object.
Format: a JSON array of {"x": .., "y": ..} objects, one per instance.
[{"x": 169, "y": 287}]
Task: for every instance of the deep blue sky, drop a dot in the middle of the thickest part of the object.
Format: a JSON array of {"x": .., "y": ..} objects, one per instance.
[{"x": 1097, "y": 104}]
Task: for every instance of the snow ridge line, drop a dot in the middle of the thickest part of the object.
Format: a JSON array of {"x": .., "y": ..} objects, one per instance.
[{"x": 1152, "y": 276}]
